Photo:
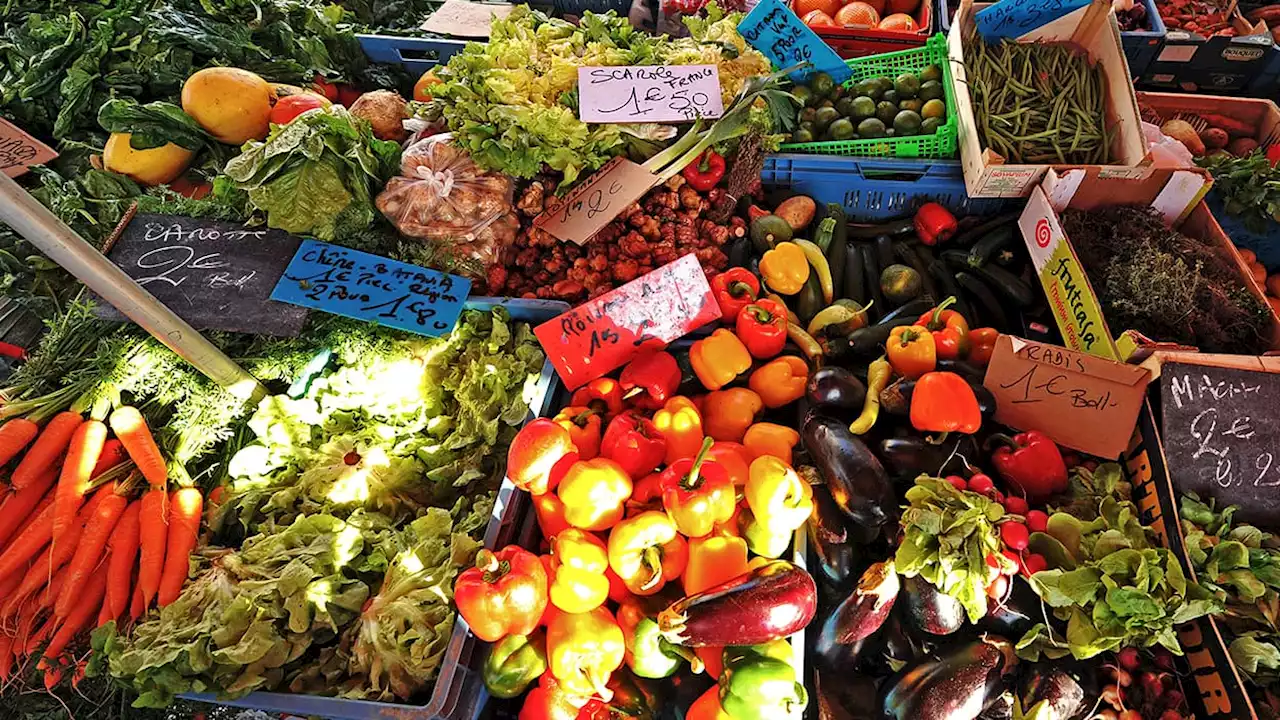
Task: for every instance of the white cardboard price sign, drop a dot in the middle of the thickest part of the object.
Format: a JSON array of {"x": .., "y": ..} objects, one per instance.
[{"x": 649, "y": 93}]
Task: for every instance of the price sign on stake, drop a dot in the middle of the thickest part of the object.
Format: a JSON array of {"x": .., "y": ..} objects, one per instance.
[
  {"x": 774, "y": 30},
  {"x": 1014, "y": 18},
  {"x": 1081, "y": 401},
  {"x": 1220, "y": 436},
  {"x": 368, "y": 287},
  {"x": 591, "y": 205},
  {"x": 649, "y": 93},
  {"x": 19, "y": 151},
  {"x": 605, "y": 333}
]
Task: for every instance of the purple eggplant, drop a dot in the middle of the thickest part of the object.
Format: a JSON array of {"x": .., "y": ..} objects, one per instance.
[
  {"x": 855, "y": 477},
  {"x": 859, "y": 616},
  {"x": 829, "y": 537},
  {"x": 931, "y": 611},
  {"x": 773, "y": 601},
  {"x": 835, "y": 389},
  {"x": 1059, "y": 694},
  {"x": 1013, "y": 615},
  {"x": 959, "y": 685}
]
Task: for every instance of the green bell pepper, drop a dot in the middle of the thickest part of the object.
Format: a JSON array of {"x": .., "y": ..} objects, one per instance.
[
  {"x": 649, "y": 655},
  {"x": 515, "y": 662},
  {"x": 758, "y": 684}
]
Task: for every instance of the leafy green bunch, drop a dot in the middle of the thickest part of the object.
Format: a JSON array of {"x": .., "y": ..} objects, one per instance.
[
  {"x": 1237, "y": 562},
  {"x": 1249, "y": 187}
]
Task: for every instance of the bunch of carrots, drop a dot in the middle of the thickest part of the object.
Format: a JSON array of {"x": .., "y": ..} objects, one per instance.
[{"x": 76, "y": 552}]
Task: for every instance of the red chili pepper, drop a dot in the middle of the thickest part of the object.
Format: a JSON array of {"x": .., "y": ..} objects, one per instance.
[
  {"x": 1031, "y": 463},
  {"x": 649, "y": 379},
  {"x": 705, "y": 172},
  {"x": 949, "y": 328},
  {"x": 635, "y": 443},
  {"x": 734, "y": 289},
  {"x": 934, "y": 224},
  {"x": 762, "y": 327},
  {"x": 504, "y": 594}
]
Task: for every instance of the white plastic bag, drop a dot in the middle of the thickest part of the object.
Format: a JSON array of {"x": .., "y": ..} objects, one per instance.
[{"x": 1165, "y": 151}]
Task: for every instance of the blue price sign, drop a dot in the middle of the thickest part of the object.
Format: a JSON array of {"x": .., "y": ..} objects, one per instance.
[
  {"x": 1015, "y": 18},
  {"x": 363, "y": 286},
  {"x": 774, "y": 30}
]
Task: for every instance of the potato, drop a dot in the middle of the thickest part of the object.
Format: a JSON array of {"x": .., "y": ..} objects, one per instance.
[
  {"x": 1242, "y": 147},
  {"x": 386, "y": 111},
  {"x": 798, "y": 211},
  {"x": 1214, "y": 138}
]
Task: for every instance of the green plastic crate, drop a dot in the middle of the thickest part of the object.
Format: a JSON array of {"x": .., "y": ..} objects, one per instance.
[{"x": 941, "y": 144}]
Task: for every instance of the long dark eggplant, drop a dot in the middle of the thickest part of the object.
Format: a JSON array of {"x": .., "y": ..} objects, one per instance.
[
  {"x": 931, "y": 611},
  {"x": 895, "y": 398},
  {"x": 855, "y": 283},
  {"x": 836, "y": 389},
  {"x": 884, "y": 253},
  {"x": 829, "y": 538},
  {"x": 871, "y": 280},
  {"x": 948, "y": 286},
  {"x": 985, "y": 301},
  {"x": 854, "y": 475},
  {"x": 997, "y": 278},
  {"x": 773, "y": 601},
  {"x": 959, "y": 685},
  {"x": 912, "y": 309},
  {"x": 910, "y": 456},
  {"x": 1013, "y": 615},
  {"x": 1059, "y": 694},
  {"x": 907, "y": 257},
  {"x": 847, "y": 628},
  {"x": 893, "y": 227}
]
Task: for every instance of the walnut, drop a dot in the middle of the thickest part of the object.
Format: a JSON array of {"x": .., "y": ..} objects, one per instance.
[
  {"x": 625, "y": 271},
  {"x": 533, "y": 199}
]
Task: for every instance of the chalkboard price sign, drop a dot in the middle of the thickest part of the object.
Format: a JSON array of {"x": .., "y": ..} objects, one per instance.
[
  {"x": 215, "y": 275},
  {"x": 1220, "y": 436}
]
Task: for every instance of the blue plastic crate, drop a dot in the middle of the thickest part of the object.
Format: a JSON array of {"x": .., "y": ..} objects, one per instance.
[
  {"x": 875, "y": 189},
  {"x": 459, "y": 693},
  {"x": 1265, "y": 245},
  {"x": 417, "y": 55},
  {"x": 1142, "y": 46}
]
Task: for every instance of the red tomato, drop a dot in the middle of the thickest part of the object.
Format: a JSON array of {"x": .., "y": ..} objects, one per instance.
[
  {"x": 195, "y": 191},
  {"x": 348, "y": 94},
  {"x": 325, "y": 88},
  {"x": 291, "y": 106}
]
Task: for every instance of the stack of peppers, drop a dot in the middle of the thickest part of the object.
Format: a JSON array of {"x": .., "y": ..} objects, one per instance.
[{"x": 646, "y": 496}]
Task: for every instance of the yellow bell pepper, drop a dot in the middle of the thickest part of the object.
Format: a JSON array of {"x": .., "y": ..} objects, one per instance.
[
  {"x": 728, "y": 413},
  {"x": 712, "y": 560},
  {"x": 646, "y": 552},
  {"x": 765, "y": 438},
  {"x": 785, "y": 268},
  {"x": 681, "y": 426},
  {"x": 594, "y": 493},
  {"x": 579, "y": 559},
  {"x": 780, "y": 381},
  {"x": 719, "y": 358},
  {"x": 778, "y": 497},
  {"x": 583, "y": 650}
]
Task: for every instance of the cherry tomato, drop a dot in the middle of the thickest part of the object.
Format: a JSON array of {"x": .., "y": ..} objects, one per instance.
[{"x": 291, "y": 106}]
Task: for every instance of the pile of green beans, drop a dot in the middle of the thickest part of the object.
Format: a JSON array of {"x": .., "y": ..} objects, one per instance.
[{"x": 1038, "y": 102}]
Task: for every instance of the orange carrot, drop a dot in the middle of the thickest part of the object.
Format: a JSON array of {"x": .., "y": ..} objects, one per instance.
[
  {"x": 153, "y": 535},
  {"x": 15, "y": 435},
  {"x": 129, "y": 425},
  {"x": 39, "y": 636},
  {"x": 53, "y": 439},
  {"x": 89, "y": 553},
  {"x": 86, "y": 609},
  {"x": 124, "y": 558},
  {"x": 28, "y": 542},
  {"x": 112, "y": 455},
  {"x": 6, "y": 657},
  {"x": 43, "y": 573},
  {"x": 137, "y": 606},
  {"x": 104, "y": 614},
  {"x": 54, "y": 557},
  {"x": 73, "y": 483},
  {"x": 184, "y": 527},
  {"x": 18, "y": 508}
]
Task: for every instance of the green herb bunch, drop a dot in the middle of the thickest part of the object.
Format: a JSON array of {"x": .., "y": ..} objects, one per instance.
[{"x": 1249, "y": 187}]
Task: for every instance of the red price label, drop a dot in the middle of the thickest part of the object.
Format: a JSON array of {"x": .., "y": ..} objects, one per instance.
[{"x": 605, "y": 333}]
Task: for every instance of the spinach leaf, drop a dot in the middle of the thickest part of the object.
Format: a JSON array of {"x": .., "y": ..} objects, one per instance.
[{"x": 152, "y": 125}]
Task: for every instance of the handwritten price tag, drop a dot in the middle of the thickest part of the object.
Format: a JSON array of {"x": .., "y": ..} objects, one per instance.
[
  {"x": 1082, "y": 401},
  {"x": 19, "y": 151},
  {"x": 364, "y": 286},
  {"x": 652, "y": 310},
  {"x": 1014, "y": 18},
  {"x": 591, "y": 205},
  {"x": 649, "y": 93},
  {"x": 774, "y": 30}
]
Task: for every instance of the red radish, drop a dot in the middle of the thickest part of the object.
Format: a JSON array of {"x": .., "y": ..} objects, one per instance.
[
  {"x": 1152, "y": 687},
  {"x": 957, "y": 482},
  {"x": 1164, "y": 659},
  {"x": 981, "y": 483},
  {"x": 1111, "y": 696},
  {"x": 1037, "y": 520},
  {"x": 1070, "y": 459},
  {"x": 53, "y": 439},
  {"x": 998, "y": 587},
  {"x": 1173, "y": 698},
  {"x": 1092, "y": 465},
  {"x": 1016, "y": 505},
  {"x": 1012, "y": 557},
  {"x": 1129, "y": 658},
  {"x": 1172, "y": 714},
  {"x": 1130, "y": 715},
  {"x": 1014, "y": 535},
  {"x": 1035, "y": 563},
  {"x": 993, "y": 561}
]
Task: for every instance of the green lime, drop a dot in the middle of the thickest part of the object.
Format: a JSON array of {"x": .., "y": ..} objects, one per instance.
[
  {"x": 807, "y": 114},
  {"x": 886, "y": 112},
  {"x": 933, "y": 72},
  {"x": 807, "y": 126},
  {"x": 934, "y": 109},
  {"x": 844, "y": 106},
  {"x": 890, "y": 96},
  {"x": 824, "y": 118},
  {"x": 803, "y": 94},
  {"x": 930, "y": 90},
  {"x": 885, "y": 83},
  {"x": 821, "y": 84},
  {"x": 841, "y": 129},
  {"x": 906, "y": 122},
  {"x": 871, "y": 128},
  {"x": 868, "y": 88},
  {"x": 863, "y": 108},
  {"x": 802, "y": 136},
  {"x": 914, "y": 105},
  {"x": 931, "y": 125},
  {"x": 907, "y": 85}
]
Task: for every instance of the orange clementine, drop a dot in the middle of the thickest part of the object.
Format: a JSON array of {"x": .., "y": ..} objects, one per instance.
[
  {"x": 901, "y": 6},
  {"x": 878, "y": 5},
  {"x": 1273, "y": 285},
  {"x": 1275, "y": 304},
  {"x": 899, "y": 21},
  {"x": 804, "y": 8},
  {"x": 817, "y": 18},
  {"x": 858, "y": 13}
]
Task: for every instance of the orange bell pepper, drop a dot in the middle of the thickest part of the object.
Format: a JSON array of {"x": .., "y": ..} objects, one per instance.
[
  {"x": 585, "y": 428},
  {"x": 911, "y": 351},
  {"x": 707, "y": 706},
  {"x": 594, "y": 493},
  {"x": 734, "y": 458},
  {"x": 712, "y": 560},
  {"x": 944, "y": 402},
  {"x": 719, "y": 358},
  {"x": 769, "y": 439},
  {"x": 534, "y": 452},
  {"x": 580, "y": 560},
  {"x": 681, "y": 425},
  {"x": 780, "y": 381},
  {"x": 729, "y": 413},
  {"x": 647, "y": 552},
  {"x": 550, "y": 512}
]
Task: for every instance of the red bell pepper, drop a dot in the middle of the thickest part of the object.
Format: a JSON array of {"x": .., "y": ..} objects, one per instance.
[
  {"x": 635, "y": 443},
  {"x": 705, "y": 172},
  {"x": 949, "y": 329},
  {"x": 504, "y": 594},
  {"x": 1031, "y": 463},
  {"x": 697, "y": 493},
  {"x": 762, "y": 327},
  {"x": 982, "y": 343},
  {"x": 944, "y": 402},
  {"x": 934, "y": 224},
  {"x": 649, "y": 379},
  {"x": 734, "y": 289},
  {"x": 603, "y": 395},
  {"x": 549, "y": 701},
  {"x": 534, "y": 452}
]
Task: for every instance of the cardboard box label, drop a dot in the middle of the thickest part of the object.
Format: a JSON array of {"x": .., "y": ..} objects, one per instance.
[
  {"x": 19, "y": 151},
  {"x": 774, "y": 30},
  {"x": 1082, "y": 401},
  {"x": 649, "y": 93},
  {"x": 594, "y": 203},
  {"x": 997, "y": 182}
]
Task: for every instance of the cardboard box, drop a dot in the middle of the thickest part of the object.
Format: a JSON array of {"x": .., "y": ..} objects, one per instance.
[
  {"x": 1191, "y": 62},
  {"x": 1177, "y": 194},
  {"x": 1093, "y": 28}
]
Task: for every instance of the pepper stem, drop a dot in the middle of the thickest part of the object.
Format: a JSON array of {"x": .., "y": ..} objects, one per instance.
[
  {"x": 739, "y": 288},
  {"x": 935, "y": 322},
  {"x": 1000, "y": 439},
  {"x": 652, "y": 561},
  {"x": 691, "y": 480},
  {"x": 908, "y": 336},
  {"x": 762, "y": 316},
  {"x": 687, "y": 654},
  {"x": 493, "y": 568}
]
